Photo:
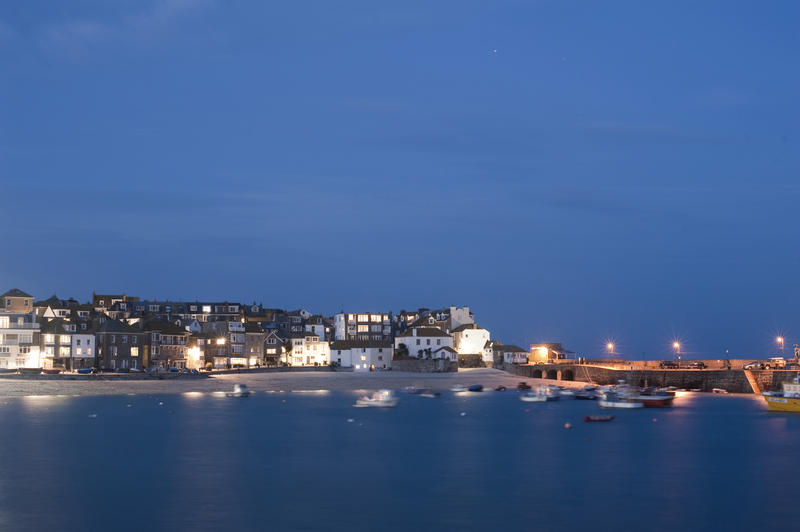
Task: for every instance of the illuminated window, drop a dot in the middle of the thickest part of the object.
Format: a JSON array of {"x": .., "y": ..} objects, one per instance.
[
  {"x": 363, "y": 358},
  {"x": 363, "y": 328},
  {"x": 134, "y": 351},
  {"x": 363, "y": 317},
  {"x": 376, "y": 318}
]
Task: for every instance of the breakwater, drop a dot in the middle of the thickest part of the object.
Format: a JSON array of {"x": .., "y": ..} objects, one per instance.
[{"x": 731, "y": 380}]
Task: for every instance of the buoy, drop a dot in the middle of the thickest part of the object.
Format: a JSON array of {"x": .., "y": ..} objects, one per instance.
[
  {"x": 92, "y": 415},
  {"x": 129, "y": 405},
  {"x": 655, "y": 420},
  {"x": 463, "y": 414},
  {"x": 350, "y": 420},
  {"x": 160, "y": 403},
  {"x": 568, "y": 425},
  {"x": 527, "y": 409}
]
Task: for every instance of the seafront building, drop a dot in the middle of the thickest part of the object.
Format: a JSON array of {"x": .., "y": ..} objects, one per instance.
[
  {"x": 118, "y": 332},
  {"x": 19, "y": 331}
]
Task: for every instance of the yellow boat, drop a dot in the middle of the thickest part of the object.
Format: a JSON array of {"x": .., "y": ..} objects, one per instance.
[{"x": 786, "y": 401}]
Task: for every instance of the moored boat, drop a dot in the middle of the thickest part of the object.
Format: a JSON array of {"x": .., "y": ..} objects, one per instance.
[
  {"x": 380, "y": 399},
  {"x": 239, "y": 390},
  {"x": 597, "y": 419},
  {"x": 586, "y": 395},
  {"x": 458, "y": 388},
  {"x": 612, "y": 399},
  {"x": 500, "y": 388},
  {"x": 540, "y": 395},
  {"x": 787, "y": 400},
  {"x": 568, "y": 393},
  {"x": 476, "y": 388},
  {"x": 429, "y": 394},
  {"x": 655, "y": 399},
  {"x": 523, "y": 386}
]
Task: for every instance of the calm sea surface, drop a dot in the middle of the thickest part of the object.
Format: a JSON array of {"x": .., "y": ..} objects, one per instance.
[{"x": 310, "y": 461}]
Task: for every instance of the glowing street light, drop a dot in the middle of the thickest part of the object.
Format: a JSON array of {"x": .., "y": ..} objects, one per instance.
[
  {"x": 779, "y": 339},
  {"x": 610, "y": 347},
  {"x": 677, "y": 347}
]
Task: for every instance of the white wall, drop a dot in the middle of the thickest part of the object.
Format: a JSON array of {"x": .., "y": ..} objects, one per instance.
[
  {"x": 470, "y": 341},
  {"x": 361, "y": 358},
  {"x": 415, "y": 343}
]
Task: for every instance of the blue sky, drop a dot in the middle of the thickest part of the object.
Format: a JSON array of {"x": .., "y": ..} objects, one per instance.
[{"x": 623, "y": 170}]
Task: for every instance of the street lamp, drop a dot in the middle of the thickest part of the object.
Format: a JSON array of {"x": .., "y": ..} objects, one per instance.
[
  {"x": 610, "y": 348},
  {"x": 677, "y": 347},
  {"x": 779, "y": 339}
]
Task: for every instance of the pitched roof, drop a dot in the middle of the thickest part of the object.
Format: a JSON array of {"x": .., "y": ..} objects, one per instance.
[
  {"x": 16, "y": 292},
  {"x": 465, "y": 327},
  {"x": 445, "y": 348},
  {"x": 164, "y": 327},
  {"x": 508, "y": 348},
  {"x": 356, "y": 344}
]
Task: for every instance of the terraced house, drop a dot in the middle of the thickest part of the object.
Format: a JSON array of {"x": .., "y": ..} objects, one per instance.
[
  {"x": 120, "y": 345},
  {"x": 19, "y": 331}
]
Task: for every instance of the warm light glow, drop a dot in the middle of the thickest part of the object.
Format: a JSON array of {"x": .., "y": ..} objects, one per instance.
[
  {"x": 610, "y": 346},
  {"x": 220, "y": 341},
  {"x": 676, "y": 346},
  {"x": 779, "y": 339}
]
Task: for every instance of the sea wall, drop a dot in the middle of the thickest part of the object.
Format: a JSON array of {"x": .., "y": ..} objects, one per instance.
[
  {"x": 706, "y": 380},
  {"x": 470, "y": 361},
  {"x": 425, "y": 366}
]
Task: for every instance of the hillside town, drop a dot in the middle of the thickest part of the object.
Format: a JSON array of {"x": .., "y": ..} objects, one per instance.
[{"x": 121, "y": 333}]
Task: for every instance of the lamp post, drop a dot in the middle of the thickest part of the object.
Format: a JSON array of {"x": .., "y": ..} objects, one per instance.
[
  {"x": 610, "y": 348},
  {"x": 676, "y": 346},
  {"x": 779, "y": 339}
]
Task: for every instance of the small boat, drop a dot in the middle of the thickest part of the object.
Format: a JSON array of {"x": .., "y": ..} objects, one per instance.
[
  {"x": 540, "y": 395},
  {"x": 655, "y": 399},
  {"x": 412, "y": 390},
  {"x": 500, "y": 388},
  {"x": 239, "y": 390},
  {"x": 51, "y": 371},
  {"x": 597, "y": 419},
  {"x": 586, "y": 395},
  {"x": 612, "y": 399},
  {"x": 429, "y": 394},
  {"x": 458, "y": 388},
  {"x": 84, "y": 371},
  {"x": 590, "y": 387},
  {"x": 566, "y": 392},
  {"x": 380, "y": 399},
  {"x": 719, "y": 390},
  {"x": 523, "y": 386},
  {"x": 30, "y": 371},
  {"x": 475, "y": 388},
  {"x": 787, "y": 400}
]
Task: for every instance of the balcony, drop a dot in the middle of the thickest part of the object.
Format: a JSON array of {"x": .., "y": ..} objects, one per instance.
[{"x": 4, "y": 325}]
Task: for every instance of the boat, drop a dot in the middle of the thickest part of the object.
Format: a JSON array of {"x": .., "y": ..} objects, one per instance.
[
  {"x": 30, "y": 371},
  {"x": 597, "y": 419},
  {"x": 611, "y": 399},
  {"x": 458, "y": 388},
  {"x": 428, "y": 393},
  {"x": 523, "y": 386},
  {"x": 412, "y": 390},
  {"x": 566, "y": 392},
  {"x": 500, "y": 388},
  {"x": 380, "y": 399},
  {"x": 787, "y": 400},
  {"x": 586, "y": 395},
  {"x": 51, "y": 371},
  {"x": 655, "y": 399},
  {"x": 590, "y": 387},
  {"x": 476, "y": 388},
  {"x": 719, "y": 390},
  {"x": 84, "y": 371},
  {"x": 540, "y": 395},
  {"x": 239, "y": 390}
]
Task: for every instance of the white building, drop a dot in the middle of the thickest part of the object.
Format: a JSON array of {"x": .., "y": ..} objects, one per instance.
[
  {"x": 316, "y": 325},
  {"x": 469, "y": 339},
  {"x": 362, "y": 355},
  {"x": 510, "y": 354},
  {"x": 308, "y": 350},
  {"x": 19, "y": 331},
  {"x": 423, "y": 342}
]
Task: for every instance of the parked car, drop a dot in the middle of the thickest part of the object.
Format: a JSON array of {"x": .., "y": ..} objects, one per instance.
[
  {"x": 696, "y": 365},
  {"x": 121, "y": 370},
  {"x": 776, "y": 363},
  {"x": 669, "y": 364},
  {"x": 755, "y": 365}
]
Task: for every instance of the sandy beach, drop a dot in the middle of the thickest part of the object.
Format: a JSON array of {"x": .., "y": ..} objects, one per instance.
[{"x": 273, "y": 381}]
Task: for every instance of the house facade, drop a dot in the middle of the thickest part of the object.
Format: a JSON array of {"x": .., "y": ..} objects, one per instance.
[
  {"x": 422, "y": 342},
  {"x": 470, "y": 339},
  {"x": 362, "y": 355},
  {"x": 307, "y": 349},
  {"x": 119, "y": 345},
  {"x": 376, "y": 326}
]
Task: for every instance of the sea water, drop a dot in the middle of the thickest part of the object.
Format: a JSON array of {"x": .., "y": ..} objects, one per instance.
[{"x": 310, "y": 461}]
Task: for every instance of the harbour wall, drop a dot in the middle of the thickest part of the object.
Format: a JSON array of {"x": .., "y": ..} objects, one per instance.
[
  {"x": 733, "y": 380},
  {"x": 425, "y": 366}
]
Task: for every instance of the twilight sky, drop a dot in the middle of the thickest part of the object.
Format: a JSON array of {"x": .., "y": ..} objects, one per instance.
[{"x": 623, "y": 170}]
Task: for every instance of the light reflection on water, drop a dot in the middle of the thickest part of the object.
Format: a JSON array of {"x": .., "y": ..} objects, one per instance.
[{"x": 310, "y": 460}]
